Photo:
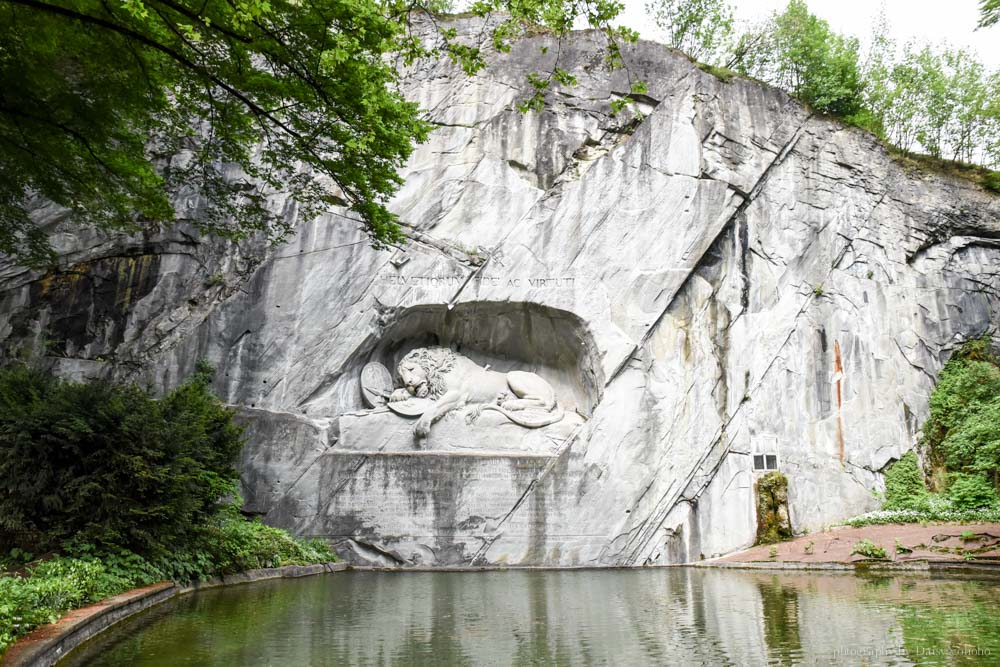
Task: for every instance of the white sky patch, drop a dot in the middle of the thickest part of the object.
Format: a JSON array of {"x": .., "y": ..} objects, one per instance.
[{"x": 926, "y": 21}]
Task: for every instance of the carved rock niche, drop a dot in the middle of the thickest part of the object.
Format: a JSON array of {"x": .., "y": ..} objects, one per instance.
[{"x": 508, "y": 338}]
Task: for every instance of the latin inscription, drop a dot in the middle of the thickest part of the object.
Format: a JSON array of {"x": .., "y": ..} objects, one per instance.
[
  {"x": 441, "y": 281},
  {"x": 421, "y": 497}
]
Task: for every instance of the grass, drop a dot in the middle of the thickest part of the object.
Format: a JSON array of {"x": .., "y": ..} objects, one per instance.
[
  {"x": 723, "y": 74},
  {"x": 985, "y": 177}
]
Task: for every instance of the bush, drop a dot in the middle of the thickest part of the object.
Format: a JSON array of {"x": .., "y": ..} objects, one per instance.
[
  {"x": 970, "y": 492},
  {"x": 235, "y": 544},
  {"x": 962, "y": 433},
  {"x": 868, "y": 549},
  {"x": 229, "y": 544},
  {"x": 52, "y": 588},
  {"x": 962, "y": 436},
  {"x": 904, "y": 485},
  {"x": 991, "y": 181},
  {"x": 131, "y": 490},
  {"x": 110, "y": 466}
]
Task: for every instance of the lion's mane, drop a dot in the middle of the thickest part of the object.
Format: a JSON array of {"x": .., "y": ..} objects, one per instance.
[{"x": 436, "y": 362}]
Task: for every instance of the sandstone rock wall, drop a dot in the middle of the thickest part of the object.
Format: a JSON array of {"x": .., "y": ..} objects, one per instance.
[{"x": 727, "y": 275}]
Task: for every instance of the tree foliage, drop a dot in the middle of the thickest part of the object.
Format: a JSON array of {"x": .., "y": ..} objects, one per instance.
[
  {"x": 936, "y": 99},
  {"x": 941, "y": 99},
  {"x": 800, "y": 53},
  {"x": 108, "y": 465},
  {"x": 106, "y": 107},
  {"x": 700, "y": 28},
  {"x": 989, "y": 13}
]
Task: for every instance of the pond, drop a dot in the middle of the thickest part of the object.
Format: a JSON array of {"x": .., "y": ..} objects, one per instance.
[{"x": 670, "y": 616}]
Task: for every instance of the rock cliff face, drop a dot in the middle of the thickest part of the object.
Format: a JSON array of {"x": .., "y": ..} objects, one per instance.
[{"x": 728, "y": 276}]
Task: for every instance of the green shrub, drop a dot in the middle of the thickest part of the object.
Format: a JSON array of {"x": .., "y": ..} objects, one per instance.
[
  {"x": 969, "y": 492},
  {"x": 991, "y": 181},
  {"x": 129, "y": 489},
  {"x": 228, "y": 544},
  {"x": 110, "y": 466},
  {"x": 52, "y": 588},
  {"x": 868, "y": 549},
  {"x": 904, "y": 485},
  {"x": 962, "y": 433},
  {"x": 235, "y": 544}
]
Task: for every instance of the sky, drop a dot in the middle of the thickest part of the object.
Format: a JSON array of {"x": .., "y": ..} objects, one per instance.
[{"x": 934, "y": 21}]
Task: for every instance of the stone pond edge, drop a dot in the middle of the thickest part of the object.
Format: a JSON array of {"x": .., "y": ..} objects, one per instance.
[
  {"x": 861, "y": 566},
  {"x": 49, "y": 644}
]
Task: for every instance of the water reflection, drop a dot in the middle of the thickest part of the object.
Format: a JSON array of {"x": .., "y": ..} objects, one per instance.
[
  {"x": 781, "y": 621},
  {"x": 677, "y": 616}
]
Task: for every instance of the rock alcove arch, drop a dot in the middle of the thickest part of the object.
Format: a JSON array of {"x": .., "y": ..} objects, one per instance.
[
  {"x": 506, "y": 336},
  {"x": 554, "y": 344}
]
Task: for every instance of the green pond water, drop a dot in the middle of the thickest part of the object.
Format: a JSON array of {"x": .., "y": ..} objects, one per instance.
[{"x": 673, "y": 616}]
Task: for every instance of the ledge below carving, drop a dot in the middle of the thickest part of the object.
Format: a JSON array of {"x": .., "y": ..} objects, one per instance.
[{"x": 380, "y": 430}]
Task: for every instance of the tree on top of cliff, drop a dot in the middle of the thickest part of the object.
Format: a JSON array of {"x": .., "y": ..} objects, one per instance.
[
  {"x": 107, "y": 107},
  {"x": 699, "y": 28},
  {"x": 989, "y": 13},
  {"x": 938, "y": 99}
]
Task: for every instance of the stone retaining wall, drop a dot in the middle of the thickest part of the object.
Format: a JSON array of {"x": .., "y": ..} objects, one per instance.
[{"x": 50, "y": 643}]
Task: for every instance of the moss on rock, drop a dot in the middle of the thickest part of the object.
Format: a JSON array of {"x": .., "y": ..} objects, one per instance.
[{"x": 773, "y": 523}]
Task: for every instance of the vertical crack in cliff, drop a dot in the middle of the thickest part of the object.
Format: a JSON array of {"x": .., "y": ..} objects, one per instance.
[
  {"x": 838, "y": 374},
  {"x": 743, "y": 238}
]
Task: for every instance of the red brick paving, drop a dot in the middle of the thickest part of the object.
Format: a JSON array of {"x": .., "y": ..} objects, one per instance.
[{"x": 940, "y": 541}]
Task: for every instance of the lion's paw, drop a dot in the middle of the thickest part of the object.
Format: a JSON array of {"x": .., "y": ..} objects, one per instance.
[
  {"x": 422, "y": 429},
  {"x": 402, "y": 394}
]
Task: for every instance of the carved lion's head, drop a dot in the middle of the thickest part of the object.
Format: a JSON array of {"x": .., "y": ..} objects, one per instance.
[{"x": 422, "y": 371}]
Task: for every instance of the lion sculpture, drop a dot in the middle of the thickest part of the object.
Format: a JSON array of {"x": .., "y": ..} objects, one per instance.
[{"x": 454, "y": 381}]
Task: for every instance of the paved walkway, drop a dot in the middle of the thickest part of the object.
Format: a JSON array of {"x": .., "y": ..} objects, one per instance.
[{"x": 935, "y": 541}]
